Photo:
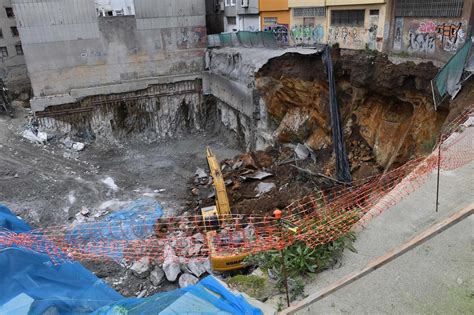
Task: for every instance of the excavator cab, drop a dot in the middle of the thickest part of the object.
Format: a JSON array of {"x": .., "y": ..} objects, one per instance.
[{"x": 217, "y": 215}]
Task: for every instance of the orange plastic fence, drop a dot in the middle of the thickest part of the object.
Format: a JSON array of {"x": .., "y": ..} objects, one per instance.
[{"x": 319, "y": 219}]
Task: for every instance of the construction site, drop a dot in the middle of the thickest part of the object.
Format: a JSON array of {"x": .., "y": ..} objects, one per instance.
[{"x": 236, "y": 157}]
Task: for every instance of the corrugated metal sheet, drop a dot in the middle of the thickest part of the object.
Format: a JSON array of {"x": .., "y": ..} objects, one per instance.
[
  {"x": 167, "y": 8},
  {"x": 42, "y": 21}
]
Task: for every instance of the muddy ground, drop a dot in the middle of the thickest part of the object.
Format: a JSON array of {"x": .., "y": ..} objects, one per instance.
[{"x": 50, "y": 185}]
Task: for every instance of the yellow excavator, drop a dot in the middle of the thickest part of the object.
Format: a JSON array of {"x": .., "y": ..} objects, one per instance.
[{"x": 217, "y": 215}]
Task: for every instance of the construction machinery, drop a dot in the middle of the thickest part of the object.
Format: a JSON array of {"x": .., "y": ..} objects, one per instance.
[{"x": 216, "y": 216}]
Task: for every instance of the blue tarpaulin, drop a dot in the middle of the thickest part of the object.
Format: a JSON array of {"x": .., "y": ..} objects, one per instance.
[
  {"x": 135, "y": 222},
  {"x": 31, "y": 284}
]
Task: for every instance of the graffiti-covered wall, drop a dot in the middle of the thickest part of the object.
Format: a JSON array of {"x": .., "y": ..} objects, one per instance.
[
  {"x": 304, "y": 33},
  {"x": 369, "y": 33},
  {"x": 434, "y": 38}
]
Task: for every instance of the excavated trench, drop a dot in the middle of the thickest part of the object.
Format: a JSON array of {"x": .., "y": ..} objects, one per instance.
[{"x": 151, "y": 141}]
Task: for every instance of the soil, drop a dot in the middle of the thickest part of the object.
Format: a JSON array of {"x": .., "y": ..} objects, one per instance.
[{"x": 49, "y": 185}]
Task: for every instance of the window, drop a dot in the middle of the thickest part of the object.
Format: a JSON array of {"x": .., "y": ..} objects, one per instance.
[
  {"x": 308, "y": 21},
  {"x": 14, "y": 30},
  {"x": 374, "y": 12},
  {"x": 109, "y": 8},
  {"x": 310, "y": 12},
  {"x": 231, "y": 20},
  {"x": 10, "y": 12},
  {"x": 429, "y": 8},
  {"x": 230, "y": 3},
  {"x": 1, "y": 33},
  {"x": 270, "y": 21},
  {"x": 19, "y": 50},
  {"x": 348, "y": 17},
  {"x": 3, "y": 52}
]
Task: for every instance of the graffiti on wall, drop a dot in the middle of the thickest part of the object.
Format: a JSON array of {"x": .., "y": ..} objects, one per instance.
[
  {"x": 421, "y": 42},
  {"x": 451, "y": 36},
  {"x": 307, "y": 35},
  {"x": 398, "y": 38},
  {"x": 372, "y": 41},
  {"x": 345, "y": 35},
  {"x": 429, "y": 37},
  {"x": 280, "y": 31}
]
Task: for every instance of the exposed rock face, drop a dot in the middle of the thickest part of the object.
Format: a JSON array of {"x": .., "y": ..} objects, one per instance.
[{"x": 388, "y": 106}]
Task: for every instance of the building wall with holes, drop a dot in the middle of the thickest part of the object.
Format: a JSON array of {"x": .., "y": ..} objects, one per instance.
[
  {"x": 431, "y": 32},
  {"x": 72, "y": 53}
]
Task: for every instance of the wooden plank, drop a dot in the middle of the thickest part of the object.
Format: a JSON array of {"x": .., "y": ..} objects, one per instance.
[{"x": 388, "y": 257}]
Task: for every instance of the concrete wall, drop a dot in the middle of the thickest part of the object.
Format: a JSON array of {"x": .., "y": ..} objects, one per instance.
[
  {"x": 13, "y": 67},
  {"x": 432, "y": 38},
  {"x": 71, "y": 53},
  {"x": 248, "y": 22},
  {"x": 371, "y": 35}
]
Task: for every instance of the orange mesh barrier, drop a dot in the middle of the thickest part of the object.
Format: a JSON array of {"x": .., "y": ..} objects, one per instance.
[{"x": 319, "y": 218}]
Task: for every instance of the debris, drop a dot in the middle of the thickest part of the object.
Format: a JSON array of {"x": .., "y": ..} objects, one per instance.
[
  {"x": 141, "y": 268},
  {"x": 259, "y": 175},
  {"x": 157, "y": 276},
  {"x": 302, "y": 152},
  {"x": 197, "y": 267},
  {"x": 78, "y": 146},
  {"x": 200, "y": 173},
  {"x": 39, "y": 137},
  {"x": 171, "y": 264},
  {"x": 198, "y": 237},
  {"x": 186, "y": 280},
  {"x": 318, "y": 174},
  {"x": 264, "y": 188},
  {"x": 109, "y": 181},
  {"x": 67, "y": 142},
  {"x": 247, "y": 161}
]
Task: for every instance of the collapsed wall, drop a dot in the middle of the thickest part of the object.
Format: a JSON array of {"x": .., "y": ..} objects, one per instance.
[{"x": 283, "y": 97}]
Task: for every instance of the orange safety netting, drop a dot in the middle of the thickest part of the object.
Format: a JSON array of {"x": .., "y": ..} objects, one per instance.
[{"x": 319, "y": 219}]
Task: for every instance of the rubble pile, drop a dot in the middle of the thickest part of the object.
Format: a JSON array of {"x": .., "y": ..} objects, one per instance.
[{"x": 262, "y": 181}]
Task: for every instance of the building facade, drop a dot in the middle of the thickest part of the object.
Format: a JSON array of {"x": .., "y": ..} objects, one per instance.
[
  {"x": 241, "y": 15},
  {"x": 430, "y": 29},
  {"x": 13, "y": 67},
  {"x": 274, "y": 14},
  {"x": 308, "y": 22},
  {"x": 75, "y": 54},
  {"x": 361, "y": 24}
]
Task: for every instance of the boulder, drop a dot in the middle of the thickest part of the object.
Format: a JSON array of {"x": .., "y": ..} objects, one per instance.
[
  {"x": 197, "y": 267},
  {"x": 141, "y": 268},
  {"x": 186, "y": 280},
  {"x": 157, "y": 276},
  {"x": 171, "y": 265}
]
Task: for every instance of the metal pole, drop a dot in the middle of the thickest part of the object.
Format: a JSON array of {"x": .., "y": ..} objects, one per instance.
[
  {"x": 439, "y": 171},
  {"x": 278, "y": 215}
]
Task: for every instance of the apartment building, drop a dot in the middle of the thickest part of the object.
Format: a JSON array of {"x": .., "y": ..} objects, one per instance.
[
  {"x": 241, "y": 15},
  {"x": 13, "y": 66},
  {"x": 274, "y": 13}
]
